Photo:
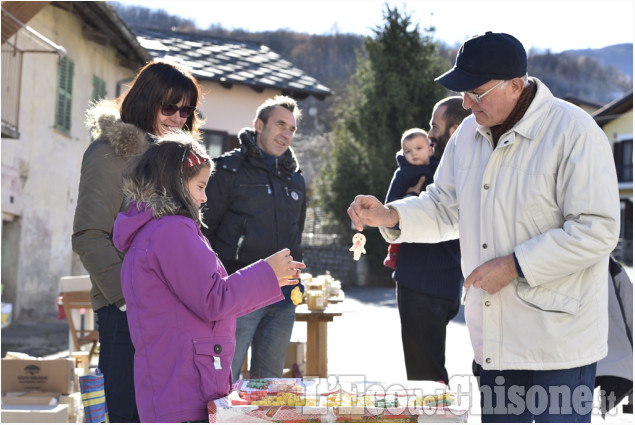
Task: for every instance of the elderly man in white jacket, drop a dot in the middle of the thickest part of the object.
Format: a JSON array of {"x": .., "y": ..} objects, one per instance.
[{"x": 528, "y": 183}]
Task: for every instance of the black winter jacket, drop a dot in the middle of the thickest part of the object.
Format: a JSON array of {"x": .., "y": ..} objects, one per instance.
[
  {"x": 253, "y": 211},
  {"x": 432, "y": 269}
]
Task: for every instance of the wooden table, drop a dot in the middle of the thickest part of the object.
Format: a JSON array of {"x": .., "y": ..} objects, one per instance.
[{"x": 316, "y": 337}]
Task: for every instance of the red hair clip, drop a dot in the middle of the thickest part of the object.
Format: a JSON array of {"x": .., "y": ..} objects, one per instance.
[{"x": 195, "y": 156}]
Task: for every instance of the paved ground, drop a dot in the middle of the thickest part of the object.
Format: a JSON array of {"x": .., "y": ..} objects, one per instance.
[
  {"x": 40, "y": 338},
  {"x": 365, "y": 341}
]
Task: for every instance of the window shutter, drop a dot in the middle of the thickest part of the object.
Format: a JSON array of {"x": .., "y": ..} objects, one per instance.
[
  {"x": 99, "y": 89},
  {"x": 63, "y": 105}
]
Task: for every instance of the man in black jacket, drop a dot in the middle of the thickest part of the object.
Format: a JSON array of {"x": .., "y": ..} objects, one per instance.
[
  {"x": 256, "y": 206},
  {"x": 428, "y": 276}
]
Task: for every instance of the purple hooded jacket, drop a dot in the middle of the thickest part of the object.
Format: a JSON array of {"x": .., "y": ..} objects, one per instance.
[{"x": 181, "y": 308}]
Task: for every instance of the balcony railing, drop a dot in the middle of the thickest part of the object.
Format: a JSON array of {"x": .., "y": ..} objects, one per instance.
[
  {"x": 13, "y": 51},
  {"x": 10, "y": 94}
]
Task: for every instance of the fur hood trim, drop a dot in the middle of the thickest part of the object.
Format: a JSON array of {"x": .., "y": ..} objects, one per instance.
[
  {"x": 287, "y": 161},
  {"x": 104, "y": 121},
  {"x": 158, "y": 201}
]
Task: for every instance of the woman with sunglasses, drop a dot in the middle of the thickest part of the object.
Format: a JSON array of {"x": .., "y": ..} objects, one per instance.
[{"x": 163, "y": 96}]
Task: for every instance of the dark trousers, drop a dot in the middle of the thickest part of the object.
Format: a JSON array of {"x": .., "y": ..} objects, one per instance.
[
  {"x": 116, "y": 359},
  {"x": 561, "y": 395},
  {"x": 424, "y": 319}
]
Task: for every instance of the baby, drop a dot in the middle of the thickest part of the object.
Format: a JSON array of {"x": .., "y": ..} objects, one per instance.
[{"x": 411, "y": 174}]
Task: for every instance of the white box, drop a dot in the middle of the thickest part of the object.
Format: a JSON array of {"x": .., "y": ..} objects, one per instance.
[
  {"x": 26, "y": 414},
  {"x": 75, "y": 283},
  {"x": 75, "y": 407}
]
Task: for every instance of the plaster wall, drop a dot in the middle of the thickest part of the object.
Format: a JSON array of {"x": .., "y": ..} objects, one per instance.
[
  {"x": 48, "y": 161},
  {"x": 619, "y": 126},
  {"x": 231, "y": 109}
]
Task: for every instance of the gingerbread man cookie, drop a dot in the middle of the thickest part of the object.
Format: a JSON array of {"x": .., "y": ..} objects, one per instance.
[{"x": 359, "y": 241}]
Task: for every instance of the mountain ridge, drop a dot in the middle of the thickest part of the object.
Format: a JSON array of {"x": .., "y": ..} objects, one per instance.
[{"x": 618, "y": 55}]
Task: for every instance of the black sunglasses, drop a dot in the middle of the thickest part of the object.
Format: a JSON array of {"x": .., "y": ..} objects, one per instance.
[{"x": 184, "y": 111}]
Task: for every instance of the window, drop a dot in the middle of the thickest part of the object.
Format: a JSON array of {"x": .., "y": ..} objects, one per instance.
[
  {"x": 63, "y": 105},
  {"x": 214, "y": 142},
  {"x": 99, "y": 89},
  {"x": 623, "y": 153}
]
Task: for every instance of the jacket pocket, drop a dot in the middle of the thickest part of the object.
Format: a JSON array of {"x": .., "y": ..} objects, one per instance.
[
  {"x": 212, "y": 358},
  {"x": 544, "y": 220},
  {"x": 546, "y": 298}
]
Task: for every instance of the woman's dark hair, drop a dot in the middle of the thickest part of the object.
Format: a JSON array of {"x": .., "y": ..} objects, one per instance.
[
  {"x": 163, "y": 170},
  {"x": 160, "y": 83}
]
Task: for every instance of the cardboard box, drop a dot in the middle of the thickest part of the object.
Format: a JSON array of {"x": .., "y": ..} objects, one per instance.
[
  {"x": 32, "y": 398},
  {"x": 20, "y": 375},
  {"x": 75, "y": 407},
  {"x": 75, "y": 283},
  {"x": 26, "y": 414}
]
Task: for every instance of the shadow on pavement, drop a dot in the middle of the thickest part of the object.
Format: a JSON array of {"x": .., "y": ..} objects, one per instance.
[{"x": 386, "y": 297}]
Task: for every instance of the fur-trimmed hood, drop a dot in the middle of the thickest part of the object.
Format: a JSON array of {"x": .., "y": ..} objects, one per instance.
[
  {"x": 154, "y": 199},
  {"x": 247, "y": 137},
  {"x": 104, "y": 121},
  {"x": 146, "y": 204}
]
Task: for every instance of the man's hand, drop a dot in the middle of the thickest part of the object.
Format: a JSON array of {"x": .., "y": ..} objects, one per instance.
[
  {"x": 366, "y": 209},
  {"x": 494, "y": 275},
  {"x": 417, "y": 187}
]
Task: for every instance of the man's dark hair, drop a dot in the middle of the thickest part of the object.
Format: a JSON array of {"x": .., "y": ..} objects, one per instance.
[
  {"x": 286, "y": 102},
  {"x": 454, "y": 113}
]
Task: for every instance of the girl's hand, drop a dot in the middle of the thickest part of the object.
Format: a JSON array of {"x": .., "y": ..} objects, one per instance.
[{"x": 287, "y": 271}]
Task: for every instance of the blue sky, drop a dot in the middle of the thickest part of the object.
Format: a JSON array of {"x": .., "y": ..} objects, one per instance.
[{"x": 541, "y": 24}]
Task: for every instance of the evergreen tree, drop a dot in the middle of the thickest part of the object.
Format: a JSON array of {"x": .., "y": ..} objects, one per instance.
[{"x": 392, "y": 90}]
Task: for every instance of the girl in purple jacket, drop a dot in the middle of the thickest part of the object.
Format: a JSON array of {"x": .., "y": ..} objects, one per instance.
[{"x": 182, "y": 306}]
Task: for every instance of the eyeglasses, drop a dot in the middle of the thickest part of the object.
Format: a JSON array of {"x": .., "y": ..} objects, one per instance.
[
  {"x": 478, "y": 97},
  {"x": 171, "y": 109}
]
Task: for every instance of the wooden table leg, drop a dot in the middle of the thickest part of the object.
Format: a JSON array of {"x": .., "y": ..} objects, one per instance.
[{"x": 316, "y": 349}]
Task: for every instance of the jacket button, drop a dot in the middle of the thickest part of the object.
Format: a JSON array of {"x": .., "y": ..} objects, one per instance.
[
  {"x": 487, "y": 303},
  {"x": 488, "y": 360},
  {"x": 485, "y": 186},
  {"x": 218, "y": 348},
  {"x": 484, "y": 246}
]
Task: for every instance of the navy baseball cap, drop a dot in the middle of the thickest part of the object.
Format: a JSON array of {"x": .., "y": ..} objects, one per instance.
[{"x": 485, "y": 57}]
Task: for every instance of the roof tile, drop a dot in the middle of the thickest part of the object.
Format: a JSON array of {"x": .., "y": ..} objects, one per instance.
[{"x": 231, "y": 61}]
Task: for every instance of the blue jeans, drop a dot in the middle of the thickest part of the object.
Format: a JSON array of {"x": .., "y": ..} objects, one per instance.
[
  {"x": 116, "y": 360},
  {"x": 564, "y": 395},
  {"x": 268, "y": 330}
]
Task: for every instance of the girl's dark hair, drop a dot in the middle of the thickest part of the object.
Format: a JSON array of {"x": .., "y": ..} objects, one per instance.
[
  {"x": 162, "y": 170},
  {"x": 160, "y": 83}
]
